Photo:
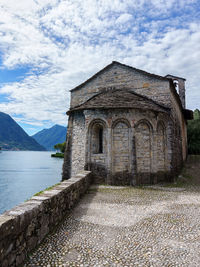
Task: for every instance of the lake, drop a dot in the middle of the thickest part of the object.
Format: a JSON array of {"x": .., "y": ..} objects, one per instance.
[{"x": 24, "y": 173}]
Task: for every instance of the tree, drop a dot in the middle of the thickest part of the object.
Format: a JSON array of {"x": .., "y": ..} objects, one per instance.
[
  {"x": 196, "y": 114},
  {"x": 193, "y": 132},
  {"x": 60, "y": 147}
]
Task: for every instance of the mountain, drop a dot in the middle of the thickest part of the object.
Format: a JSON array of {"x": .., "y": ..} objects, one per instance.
[
  {"x": 13, "y": 137},
  {"x": 50, "y": 137}
]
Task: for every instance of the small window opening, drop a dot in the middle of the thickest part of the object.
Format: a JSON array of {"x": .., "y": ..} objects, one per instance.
[
  {"x": 100, "y": 140},
  {"x": 176, "y": 84},
  {"x": 97, "y": 139}
]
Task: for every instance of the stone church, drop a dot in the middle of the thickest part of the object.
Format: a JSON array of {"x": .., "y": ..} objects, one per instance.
[{"x": 127, "y": 126}]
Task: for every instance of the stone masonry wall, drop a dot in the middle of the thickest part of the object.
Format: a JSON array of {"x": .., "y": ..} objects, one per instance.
[
  {"x": 161, "y": 147},
  {"x": 170, "y": 147},
  {"x": 178, "y": 136},
  {"x": 66, "y": 170},
  {"x": 78, "y": 143},
  {"x": 173, "y": 142},
  {"x": 25, "y": 226},
  {"x": 132, "y": 150},
  {"x": 123, "y": 77},
  {"x": 121, "y": 153},
  {"x": 143, "y": 148}
]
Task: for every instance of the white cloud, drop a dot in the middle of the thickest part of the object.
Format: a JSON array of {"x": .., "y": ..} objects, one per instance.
[
  {"x": 64, "y": 42},
  {"x": 124, "y": 18}
]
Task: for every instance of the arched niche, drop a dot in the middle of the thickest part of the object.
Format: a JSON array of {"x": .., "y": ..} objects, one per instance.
[
  {"x": 143, "y": 144},
  {"x": 121, "y": 146},
  {"x": 97, "y": 149},
  {"x": 97, "y": 137}
]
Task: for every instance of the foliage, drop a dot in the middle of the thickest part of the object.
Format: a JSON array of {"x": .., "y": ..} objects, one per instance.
[
  {"x": 196, "y": 114},
  {"x": 60, "y": 147},
  {"x": 57, "y": 155},
  {"x": 193, "y": 131},
  {"x": 46, "y": 189}
]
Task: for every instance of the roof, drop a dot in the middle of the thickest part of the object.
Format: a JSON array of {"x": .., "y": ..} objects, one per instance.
[
  {"x": 174, "y": 77},
  {"x": 123, "y": 65},
  {"x": 120, "y": 99}
]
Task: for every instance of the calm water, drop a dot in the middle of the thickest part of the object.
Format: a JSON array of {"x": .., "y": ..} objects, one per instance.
[{"x": 24, "y": 173}]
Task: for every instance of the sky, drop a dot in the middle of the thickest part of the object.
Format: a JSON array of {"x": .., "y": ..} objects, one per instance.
[{"x": 48, "y": 47}]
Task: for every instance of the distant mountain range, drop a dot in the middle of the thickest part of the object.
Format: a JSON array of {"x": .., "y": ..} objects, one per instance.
[
  {"x": 50, "y": 137},
  {"x": 13, "y": 137}
]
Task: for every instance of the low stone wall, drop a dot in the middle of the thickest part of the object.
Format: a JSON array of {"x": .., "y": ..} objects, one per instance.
[{"x": 25, "y": 226}]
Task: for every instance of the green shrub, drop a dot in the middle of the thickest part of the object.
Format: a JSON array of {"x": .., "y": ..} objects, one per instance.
[
  {"x": 60, "y": 147},
  {"x": 193, "y": 133}
]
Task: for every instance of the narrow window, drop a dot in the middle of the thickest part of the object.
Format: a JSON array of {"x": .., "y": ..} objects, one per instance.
[
  {"x": 176, "y": 84},
  {"x": 97, "y": 139},
  {"x": 100, "y": 140}
]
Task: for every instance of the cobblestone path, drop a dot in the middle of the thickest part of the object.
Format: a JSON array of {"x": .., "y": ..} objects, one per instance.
[{"x": 126, "y": 227}]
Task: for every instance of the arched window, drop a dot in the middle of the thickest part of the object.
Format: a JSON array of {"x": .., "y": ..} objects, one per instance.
[
  {"x": 100, "y": 145},
  {"x": 97, "y": 138}
]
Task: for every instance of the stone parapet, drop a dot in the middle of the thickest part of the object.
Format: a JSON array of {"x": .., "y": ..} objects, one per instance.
[{"x": 26, "y": 225}]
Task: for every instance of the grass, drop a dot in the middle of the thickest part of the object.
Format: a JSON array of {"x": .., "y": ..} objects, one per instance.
[
  {"x": 40, "y": 192},
  {"x": 47, "y": 189}
]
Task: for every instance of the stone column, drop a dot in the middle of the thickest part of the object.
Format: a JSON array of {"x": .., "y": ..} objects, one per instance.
[
  {"x": 109, "y": 155},
  {"x": 154, "y": 158},
  {"x": 133, "y": 158}
]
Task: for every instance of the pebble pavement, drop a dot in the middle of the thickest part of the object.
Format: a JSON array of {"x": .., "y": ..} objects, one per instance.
[{"x": 116, "y": 226}]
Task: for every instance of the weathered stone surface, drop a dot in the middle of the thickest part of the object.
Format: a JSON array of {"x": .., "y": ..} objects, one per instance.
[
  {"x": 25, "y": 226},
  {"x": 126, "y": 147},
  {"x": 120, "y": 76},
  {"x": 120, "y": 98},
  {"x": 126, "y": 124}
]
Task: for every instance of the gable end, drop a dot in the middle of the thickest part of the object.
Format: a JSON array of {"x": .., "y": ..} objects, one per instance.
[{"x": 155, "y": 76}]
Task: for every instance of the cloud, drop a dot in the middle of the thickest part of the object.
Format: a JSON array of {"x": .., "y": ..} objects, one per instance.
[
  {"x": 124, "y": 18},
  {"x": 63, "y": 42}
]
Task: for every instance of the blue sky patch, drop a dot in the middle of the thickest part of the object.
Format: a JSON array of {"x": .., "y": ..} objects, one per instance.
[{"x": 49, "y": 47}]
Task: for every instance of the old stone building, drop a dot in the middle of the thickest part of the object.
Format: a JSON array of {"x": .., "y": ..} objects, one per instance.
[{"x": 127, "y": 126}]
